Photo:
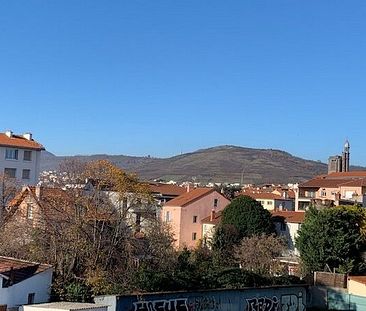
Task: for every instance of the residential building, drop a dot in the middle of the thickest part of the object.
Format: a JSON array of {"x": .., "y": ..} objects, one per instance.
[
  {"x": 20, "y": 157},
  {"x": 287, "y": 225},
  {"x": 208, "y": 225},
  {"x": 37, "y": 207},
  {"x": 24, "y": 282},
  {"x": 272, "y": 201},
  {"x": 185, "y": 212},
  {"x": 339, "y": 188}
]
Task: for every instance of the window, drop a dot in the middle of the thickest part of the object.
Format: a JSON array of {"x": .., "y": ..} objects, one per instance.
[
  {"x": 323, "y": 193},
  {"x": 194, "y": 236},
  {"x": 168, "y": 217},
  {"x": 11, "y": 154},
  {"x": 31, "y": 298},
  {"x": 29, "y": 211},
  {"x": 26, "y": 174},
  {"x": 216, "y": 201},
  {"x": 27, "y": 155},
  {"x": 194, "y": 219},
  {"x": 269, "y": 202},
  {"x": 10, "y": 172}
]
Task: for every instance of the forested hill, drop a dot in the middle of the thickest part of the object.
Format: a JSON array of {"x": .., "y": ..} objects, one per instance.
[{"x": 217, "y": 164}]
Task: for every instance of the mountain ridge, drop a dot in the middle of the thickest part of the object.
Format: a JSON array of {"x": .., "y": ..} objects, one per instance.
[{"x": 225, "y": 163}]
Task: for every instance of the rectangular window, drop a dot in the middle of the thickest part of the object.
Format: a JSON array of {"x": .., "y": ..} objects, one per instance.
[
  {"x": 26, "y": 174},
  {"x": 168, "y": 217},
  {"x": 194, "y": 219},
  {"x": 216, "y": 201},
  {"x": 31, "y": 298},
  {"x": 11, "y": 154},
  {"x": 194, "y": 236},
  {"x": 10, "y": 172},
  {"x": 27, "y": 155},
  {"x": 269, "y": 202}
]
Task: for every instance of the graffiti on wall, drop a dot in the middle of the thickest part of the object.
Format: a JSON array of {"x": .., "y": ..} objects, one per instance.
[
  {"x": 287, "y": 303},
  {"x": 162, "y": 305}
]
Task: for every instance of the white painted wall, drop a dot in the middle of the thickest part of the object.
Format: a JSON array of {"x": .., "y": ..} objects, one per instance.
[
  {"x": 17, "y": 294},
  {"x": 290, "y": 233},
  {"x": 20, "y": 164}
]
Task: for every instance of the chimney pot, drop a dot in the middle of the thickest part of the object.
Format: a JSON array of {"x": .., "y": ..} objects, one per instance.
[
  {"x": 27, "y": 136},
  {"x": 9, "y": 133},
  {"x": 212, "y": 216}
]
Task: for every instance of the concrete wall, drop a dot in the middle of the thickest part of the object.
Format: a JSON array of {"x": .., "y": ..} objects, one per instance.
[
  {"x": 356, "y": 288},
  {"x": 292, "y": 298},
  {"x": 17, "y": 295}
]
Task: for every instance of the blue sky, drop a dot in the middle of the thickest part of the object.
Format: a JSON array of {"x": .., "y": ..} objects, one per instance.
[{"x": 165, "y": 77}]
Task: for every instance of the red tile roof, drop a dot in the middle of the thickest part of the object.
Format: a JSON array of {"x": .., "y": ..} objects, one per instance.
[
  {"x": 189, "y": 197},
  {"x": 19, "y": 141},
  {"x": 215, "y": 221},
  {"x": 264, "y": 195},
  {"x": 350, "y": 174},
  {"x": 290, "y": 216},
  {"x": 19, "y": 270},
  {"x": 323, "y": 183},
  {"x": 166, "y": 189}
]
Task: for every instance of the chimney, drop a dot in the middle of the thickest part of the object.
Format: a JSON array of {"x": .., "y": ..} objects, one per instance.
[
  {"x": 38, "y": 192},
  {"x": 188, "y": 187},
  {"x": 9, "y": 133},
  {"x": 212, "y": 216},
  {"x": 27, "y": 136}
]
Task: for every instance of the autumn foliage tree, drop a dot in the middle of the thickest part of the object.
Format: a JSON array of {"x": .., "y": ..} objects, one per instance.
[{"x": 90, "y": 229}]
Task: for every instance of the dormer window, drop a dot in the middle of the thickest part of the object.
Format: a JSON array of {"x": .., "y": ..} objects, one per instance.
[{"x": 11, "y": 154}]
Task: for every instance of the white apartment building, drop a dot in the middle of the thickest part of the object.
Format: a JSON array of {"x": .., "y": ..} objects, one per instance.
[{"x": 20, "y": 157}]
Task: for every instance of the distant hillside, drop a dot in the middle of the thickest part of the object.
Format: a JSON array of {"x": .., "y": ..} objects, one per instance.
[{"x": 217, "y": 164}]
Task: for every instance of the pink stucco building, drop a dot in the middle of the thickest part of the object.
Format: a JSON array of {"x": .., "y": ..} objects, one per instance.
[{"x": 184, "y": 214}]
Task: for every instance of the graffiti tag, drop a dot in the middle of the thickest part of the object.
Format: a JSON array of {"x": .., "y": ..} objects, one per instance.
[
  {"x": 162, "y": 305},
  {"x": 292, "y": 303},
  {"x": 262, "y": 304},
  {"x": 288, "y": 303}
]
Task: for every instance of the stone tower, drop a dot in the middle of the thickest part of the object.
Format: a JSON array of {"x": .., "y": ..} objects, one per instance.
[{"x": 345, "y": 157}]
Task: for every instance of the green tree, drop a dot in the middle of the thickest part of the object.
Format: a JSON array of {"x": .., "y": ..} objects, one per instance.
[
  {"x": 248, "y": 216},
  {"x": 243, "y": 217},
  {"x": 332, "y": 237}
]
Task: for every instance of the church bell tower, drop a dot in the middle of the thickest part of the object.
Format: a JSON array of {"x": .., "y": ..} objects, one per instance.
[{"x": 345, "y": 157}]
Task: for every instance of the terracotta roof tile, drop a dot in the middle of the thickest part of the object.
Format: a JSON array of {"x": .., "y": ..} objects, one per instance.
[
  {"x": 19, "y": 270},
  {"x": 215, "y": 221},
  {"x": 289, "y": 216},
  {"x": 264, "y": 195},
  {"x": 189, "y": 197},
  {"x": 166, "y": 189},
  {"x": 19, "y": 141},
  {"x": 347, "y": 174}
]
